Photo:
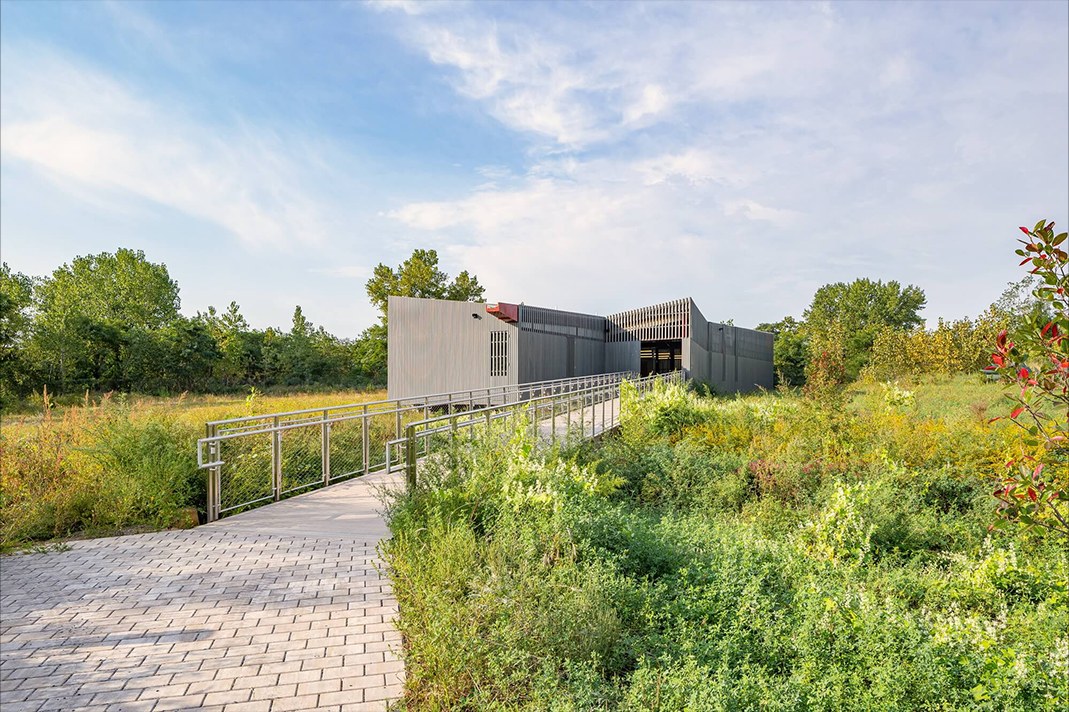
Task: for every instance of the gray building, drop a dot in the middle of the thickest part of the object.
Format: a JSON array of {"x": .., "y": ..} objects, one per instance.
[{"x": 438, "y": 346}]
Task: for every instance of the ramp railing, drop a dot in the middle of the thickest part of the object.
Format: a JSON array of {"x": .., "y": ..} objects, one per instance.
[
  {"x": 256, "y": 460},
  {"x": 584, "y": 412}
]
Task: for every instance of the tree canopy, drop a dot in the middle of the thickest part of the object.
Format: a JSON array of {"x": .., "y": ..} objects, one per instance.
[
  {"x": 419, "y": 276},
  {"x": 789, "y": 350},
  {"x": 120, "y": 288},
  {"x": 862, "y": 308}
]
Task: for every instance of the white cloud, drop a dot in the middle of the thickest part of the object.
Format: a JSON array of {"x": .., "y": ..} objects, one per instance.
[
  {"x": 82, "y": 127},
  {"x": 747, "y": 154}
]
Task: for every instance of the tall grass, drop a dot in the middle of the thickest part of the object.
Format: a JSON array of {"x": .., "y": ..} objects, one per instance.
[
  {"x": 117, "y": 464},
  {"x": 751, "y": 553}
]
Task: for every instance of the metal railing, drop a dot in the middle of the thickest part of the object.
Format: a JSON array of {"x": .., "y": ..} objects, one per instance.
[
  {"x": 595, "y": 409},
  {"x": 260, "y": 459}
]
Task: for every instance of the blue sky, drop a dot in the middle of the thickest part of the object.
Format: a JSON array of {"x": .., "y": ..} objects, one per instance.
[{"x": 593, "y": 157}]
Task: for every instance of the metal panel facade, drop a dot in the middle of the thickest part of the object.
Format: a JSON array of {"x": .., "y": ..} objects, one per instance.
[{"x": 437, "y": 346}]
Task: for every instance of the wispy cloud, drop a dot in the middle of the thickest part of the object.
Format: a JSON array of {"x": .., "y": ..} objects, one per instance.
[
  {"x": 692, "y": 147},
  {"x": 81, "y": 126}
]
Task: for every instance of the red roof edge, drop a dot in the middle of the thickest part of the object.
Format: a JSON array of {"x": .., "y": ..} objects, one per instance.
[{"x": 505, "y": 312}]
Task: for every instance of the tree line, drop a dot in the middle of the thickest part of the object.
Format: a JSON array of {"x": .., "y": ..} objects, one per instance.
[
  {"x": 111, "y": 322},
  {"x": 875, "y": 329}
]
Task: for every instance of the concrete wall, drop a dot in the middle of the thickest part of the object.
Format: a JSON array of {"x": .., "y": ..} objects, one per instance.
[{"x": 436, "y": 346}]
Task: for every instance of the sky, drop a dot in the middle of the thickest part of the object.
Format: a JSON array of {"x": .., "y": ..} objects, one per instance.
[{"x": 585, "y": 156}]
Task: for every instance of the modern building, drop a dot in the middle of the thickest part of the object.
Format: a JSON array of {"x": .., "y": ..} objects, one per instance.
[{"x": 439, "y": 346}]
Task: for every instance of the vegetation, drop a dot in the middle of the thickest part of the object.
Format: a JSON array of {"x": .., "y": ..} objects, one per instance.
[
  {"x": 117, "y": 464},
  {"x": 878, "y": 329},
  {"x": 1035, "y": 492},
  {"x": 766, "y": 552},
  {"x": 111, "y": 322},
  {"x": 861, "y": 310},
  {"x": 418, "y": 276}
]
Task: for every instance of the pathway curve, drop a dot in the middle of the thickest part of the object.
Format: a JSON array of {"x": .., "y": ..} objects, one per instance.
[
  {"x": 277, "y": 609},
  {"x": 280, "y": 608}
]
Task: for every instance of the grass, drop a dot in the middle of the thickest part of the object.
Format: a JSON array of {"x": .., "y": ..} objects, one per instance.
[
  {"x": 763, "y": 552},
  {"x": 117, "y": 464}
]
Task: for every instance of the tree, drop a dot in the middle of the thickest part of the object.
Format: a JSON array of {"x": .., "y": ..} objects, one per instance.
[
  {"x": 16, "y": 301},
  {"x": 121, "y": 288},
  {"x": 237, "y": 356},
  {"x": 87, "y": 307},
  {"x": 861, "y": 309},
  {"x": 1018, "y": 306},
  {"x": 418, "y": 276},
  {"x": 788, "y": 351}
]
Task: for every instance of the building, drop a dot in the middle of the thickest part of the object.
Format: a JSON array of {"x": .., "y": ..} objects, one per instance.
[{"x": 439, "y": 346}]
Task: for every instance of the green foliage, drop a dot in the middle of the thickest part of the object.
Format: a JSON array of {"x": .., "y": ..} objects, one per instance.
[
  {"x": 418, "y": 276},
  {"x": 860, "y": 310},
  {"x": 789, "y": 351},
  {"x": 98, "y": 470},
  {"x": 110, "y": 322},
  {"x": 731, "y": 555},
  {"x": 16, "y": 300},
  {"x": 1035, "y": 367},
  {"x": 826, "y": 366},
  {"x": 120, "y": 288}
]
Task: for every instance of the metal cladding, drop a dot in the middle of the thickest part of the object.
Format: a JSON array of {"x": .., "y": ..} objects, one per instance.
[{"x": 435, "y": 346}]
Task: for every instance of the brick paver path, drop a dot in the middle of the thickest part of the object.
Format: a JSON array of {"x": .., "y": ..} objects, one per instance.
[{"x": 234, "y": 616}]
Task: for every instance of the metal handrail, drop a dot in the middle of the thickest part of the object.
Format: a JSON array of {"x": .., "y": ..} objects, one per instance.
[
  {"x": 485, "y": 415},
  {"x": 433, "y": 398},
  {"x": 225, "y": 495}
]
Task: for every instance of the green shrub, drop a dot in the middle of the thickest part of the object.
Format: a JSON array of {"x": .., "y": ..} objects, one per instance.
[
  {"x": 96, "y": 471},
  {"x": 743, "y": 554}
]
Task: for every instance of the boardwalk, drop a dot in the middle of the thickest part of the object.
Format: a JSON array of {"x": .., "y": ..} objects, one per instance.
[{"x": 277, "y": 609}]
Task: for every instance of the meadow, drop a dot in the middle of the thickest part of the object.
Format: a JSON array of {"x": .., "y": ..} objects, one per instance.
[
  {"x": 763, "y": 552},
  {"x": 117, "y": 464}
]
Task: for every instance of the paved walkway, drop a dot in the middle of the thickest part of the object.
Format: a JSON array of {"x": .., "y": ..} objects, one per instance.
[
  {"x": 277, "y": 609},
  {"x": 280, "y": 608}
]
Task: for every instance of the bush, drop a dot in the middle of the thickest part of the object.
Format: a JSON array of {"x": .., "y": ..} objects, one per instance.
[
  {"x": 97, "y": 470},
  {"x": 730, "y": 554}
]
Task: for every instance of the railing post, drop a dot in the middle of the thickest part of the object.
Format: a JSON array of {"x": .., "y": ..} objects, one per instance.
[
  {"x": 410, "y": 457},
  {"x": 365, "y": 436},
  {"x": 603, "y": 391},
  {"x": 325, "y": 449},
  {"x": 582, "y": 415},
  {"x": 276, "y": 459},
  {"x": 215, "y": 496}
]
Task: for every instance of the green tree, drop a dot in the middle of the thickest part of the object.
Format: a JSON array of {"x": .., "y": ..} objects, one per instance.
[
  {"x": 86, "y": 308},
  {"x": 16, "y": 302},
  {"x": 859, "y": 310},
  {"x": 418, "y": 276},
  {"x": 1018, "y": 306},
  {"x": 235, "y": 341},
  {"x": 789, "y": 350}
]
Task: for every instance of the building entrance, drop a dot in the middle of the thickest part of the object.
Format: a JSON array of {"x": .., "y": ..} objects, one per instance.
[{"x": 661, "y": 356}]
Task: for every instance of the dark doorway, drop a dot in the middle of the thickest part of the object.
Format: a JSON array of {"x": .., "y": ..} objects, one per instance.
[{"x": 661, "y": 356}]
